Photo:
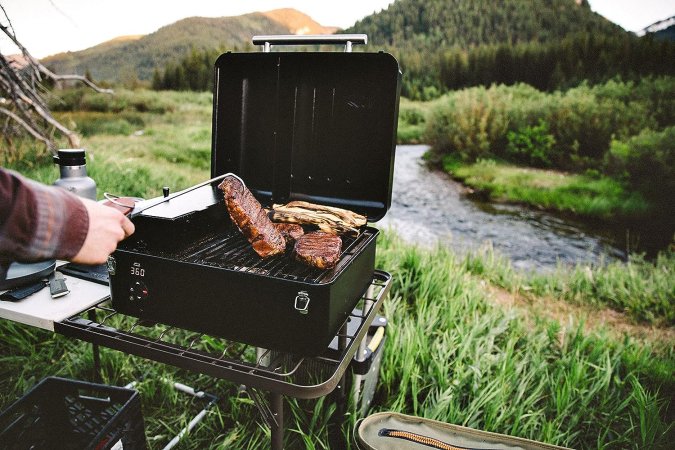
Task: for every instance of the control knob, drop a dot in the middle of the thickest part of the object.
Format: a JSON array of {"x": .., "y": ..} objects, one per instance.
[{"x": 138, "y": 291}]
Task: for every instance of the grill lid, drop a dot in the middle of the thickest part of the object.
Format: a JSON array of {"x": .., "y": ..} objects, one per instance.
[{"x": 319, "y": 127}]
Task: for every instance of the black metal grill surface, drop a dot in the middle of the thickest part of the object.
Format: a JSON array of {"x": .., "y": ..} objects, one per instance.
[{"x": 229, "y": 249}]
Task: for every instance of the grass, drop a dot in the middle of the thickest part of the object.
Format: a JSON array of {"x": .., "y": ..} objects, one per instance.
[
  {"x": 146, "y": 141},
  {"x": 458, "y": 357},
  {"x": 642, "y": 290},
  {"x": 593, "y": 197},
  {"x": 451, "y": 353}
]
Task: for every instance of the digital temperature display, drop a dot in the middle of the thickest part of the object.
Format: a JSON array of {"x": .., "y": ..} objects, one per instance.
[{"x": 137, "y": 270}]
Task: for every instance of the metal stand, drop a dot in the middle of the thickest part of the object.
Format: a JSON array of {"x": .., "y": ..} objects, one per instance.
[
  {"x": 91, "y": 314},
  {"x": 277, "y": 405},
  {"x": 275, "y": 373}
]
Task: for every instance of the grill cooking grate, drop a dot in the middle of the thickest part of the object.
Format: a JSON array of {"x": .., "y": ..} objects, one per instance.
[{"x": 229, "y": 249}]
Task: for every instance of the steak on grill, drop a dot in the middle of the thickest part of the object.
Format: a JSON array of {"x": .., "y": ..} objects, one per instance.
[
  {"x": 290, "y": 231},
  {"x": 318, "y": 249},
  {"x": 249, "y": 216}
]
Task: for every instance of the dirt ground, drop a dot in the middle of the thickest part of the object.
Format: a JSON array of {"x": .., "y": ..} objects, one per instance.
[{"x": 595, "y": 320}]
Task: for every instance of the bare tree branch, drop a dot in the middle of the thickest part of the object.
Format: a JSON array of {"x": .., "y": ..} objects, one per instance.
[
  {"x": 27, "y": 127},
  {"x": 22, "y": 89},
  {"x": 81, "y": 78}
]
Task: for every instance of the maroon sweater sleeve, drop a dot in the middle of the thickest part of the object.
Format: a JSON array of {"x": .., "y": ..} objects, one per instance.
[{"x": 39, "y": 222}]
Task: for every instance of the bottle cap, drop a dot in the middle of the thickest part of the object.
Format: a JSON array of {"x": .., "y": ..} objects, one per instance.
[{"x": 70, "y": 157}]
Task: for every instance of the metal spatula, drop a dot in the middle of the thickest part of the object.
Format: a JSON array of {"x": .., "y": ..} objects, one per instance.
[{"x": 141, "y": 205}]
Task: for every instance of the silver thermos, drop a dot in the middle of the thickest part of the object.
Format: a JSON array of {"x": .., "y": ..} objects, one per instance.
[{"x": 73, "y": 171}]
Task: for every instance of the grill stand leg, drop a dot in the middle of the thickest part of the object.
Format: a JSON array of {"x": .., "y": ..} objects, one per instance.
[
  {"x": 335, "y": 436},
  {"x": 277, "y": 427},
  {"x": 272, "y": 413},
  {"x": 95, "y": 351}
]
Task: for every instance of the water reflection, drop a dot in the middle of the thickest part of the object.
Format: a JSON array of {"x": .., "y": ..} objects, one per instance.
[{"x": 427, "y": 207}]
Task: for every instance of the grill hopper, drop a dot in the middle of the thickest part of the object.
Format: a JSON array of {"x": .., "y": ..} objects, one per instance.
[{"x": 318, "y": 127}]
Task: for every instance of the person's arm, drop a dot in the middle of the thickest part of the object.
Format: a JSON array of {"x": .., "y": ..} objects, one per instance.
[{"x": 39, "y": 222}]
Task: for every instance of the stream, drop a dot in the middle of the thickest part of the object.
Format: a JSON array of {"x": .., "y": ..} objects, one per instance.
[{"x": 428, "y": 207}]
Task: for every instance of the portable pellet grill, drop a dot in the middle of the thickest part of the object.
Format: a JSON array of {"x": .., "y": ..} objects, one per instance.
[{"x": 312, "y": 126}]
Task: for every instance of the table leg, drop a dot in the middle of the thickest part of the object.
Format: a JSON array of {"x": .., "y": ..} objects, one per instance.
[
  {"x": 277, "y": 425},
  {"x": 95, "y": 350}
]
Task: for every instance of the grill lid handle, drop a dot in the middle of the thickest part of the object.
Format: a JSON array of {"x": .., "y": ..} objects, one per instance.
[{"x": 310, "y": 39}]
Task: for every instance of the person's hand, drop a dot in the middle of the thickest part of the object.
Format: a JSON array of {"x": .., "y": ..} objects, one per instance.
[{"x": 107, "y": 227}]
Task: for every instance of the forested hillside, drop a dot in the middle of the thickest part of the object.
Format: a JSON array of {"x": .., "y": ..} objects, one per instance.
[
  {"x": 121, "y": 61},
  {"x": 430, "y": 24},
  {"x": 444, "y": 45}
]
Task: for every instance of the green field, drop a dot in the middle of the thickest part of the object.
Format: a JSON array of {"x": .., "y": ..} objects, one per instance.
[{"x": 471, "y": 341}]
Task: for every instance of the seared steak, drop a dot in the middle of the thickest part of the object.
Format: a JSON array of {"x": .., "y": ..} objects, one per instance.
[
  {"x": 249, "y": 216},
  {"x": 290, "y": 231},
  {"x": 318, "y": 249}
]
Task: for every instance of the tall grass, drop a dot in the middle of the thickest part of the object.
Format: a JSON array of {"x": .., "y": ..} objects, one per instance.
[
  {"x": 450, "y": 355},
  {"x": 643, "y": 290},
  {"x": 458, "y": 359}
]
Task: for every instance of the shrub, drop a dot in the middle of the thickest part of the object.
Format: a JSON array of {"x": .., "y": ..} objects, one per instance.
[
  {"x": 647, "y": 162},
  {"x": 66, "y": 100},
  {"x": 582, "y": 122},
  {"x": 472, "y": 123},
  {"x": 656, "y": 93},
  {"x": 584, "y": 125},
  {"x": 84, "y": 99},
  {"x": 531, "y": 145},
  {"x": 96, "y": 102},
  {"x": 411, "y": 114},
  {"x": 411, "y": 122}
]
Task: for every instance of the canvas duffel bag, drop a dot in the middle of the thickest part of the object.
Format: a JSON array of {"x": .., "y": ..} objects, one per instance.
[{"x": 389, "y": 430}]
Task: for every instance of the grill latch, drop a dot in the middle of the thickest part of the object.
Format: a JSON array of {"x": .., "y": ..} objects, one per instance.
[{"x": 302, "y": 302}]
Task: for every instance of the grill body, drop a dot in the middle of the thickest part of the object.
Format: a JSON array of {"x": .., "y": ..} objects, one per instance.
[{"x": 198, "y": 272}]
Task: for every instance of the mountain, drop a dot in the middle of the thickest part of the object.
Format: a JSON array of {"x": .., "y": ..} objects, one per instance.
[
  {"x": 662, "y": 30},
  {"x": 297, "y": 22},
  {"x": 138, "y": 56},
  {"x": 431, "y": 24},
  {"x": 666, "y": 34}
]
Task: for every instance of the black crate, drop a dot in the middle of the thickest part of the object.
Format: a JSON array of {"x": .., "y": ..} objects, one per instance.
[{"x": 69, "y": 414}]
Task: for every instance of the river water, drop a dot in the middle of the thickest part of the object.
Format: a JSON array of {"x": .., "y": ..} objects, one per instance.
[{"x": 428, "y": 207}]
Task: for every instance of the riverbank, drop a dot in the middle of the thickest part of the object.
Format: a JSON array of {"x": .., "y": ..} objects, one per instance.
[
  {"x": 429, "y": 208},
  {"x": 600, "y": 201},
  {"x": 589, "y": 197}
]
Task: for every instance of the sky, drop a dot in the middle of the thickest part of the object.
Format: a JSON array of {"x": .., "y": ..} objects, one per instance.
[{"x": 46, "y": 27}]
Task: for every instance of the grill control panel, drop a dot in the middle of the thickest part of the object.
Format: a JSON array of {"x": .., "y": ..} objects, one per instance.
[{"x": 138, "y": 291}]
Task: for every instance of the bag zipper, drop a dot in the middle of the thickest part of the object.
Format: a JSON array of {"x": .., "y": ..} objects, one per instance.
[{"x": 421, "y": 439}]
